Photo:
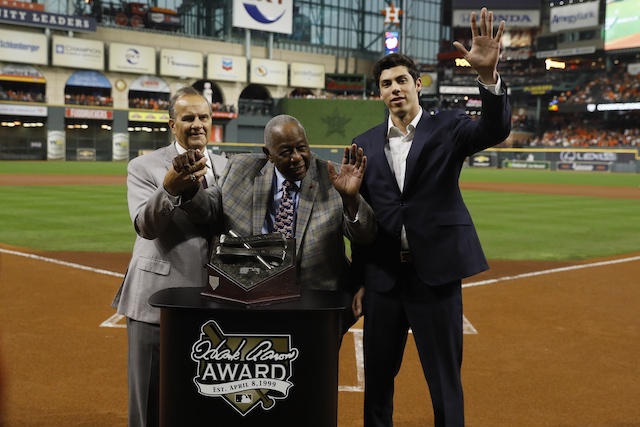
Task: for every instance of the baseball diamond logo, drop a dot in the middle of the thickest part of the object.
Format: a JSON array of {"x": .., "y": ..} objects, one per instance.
[{"x": 243, "y": 370}]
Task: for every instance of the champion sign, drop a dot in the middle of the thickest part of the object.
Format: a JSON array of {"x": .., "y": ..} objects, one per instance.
[{"x": 275, "y": 16}]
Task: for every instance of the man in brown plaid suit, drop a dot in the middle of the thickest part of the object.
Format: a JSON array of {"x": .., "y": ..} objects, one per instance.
[{"x": 327, "y": 200}]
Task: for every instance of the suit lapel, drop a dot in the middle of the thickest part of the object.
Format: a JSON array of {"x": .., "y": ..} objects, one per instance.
[
  {"x": 377, "y": 157},
  {"x": 169, "y": 153},
  {"x": 419, "y": 141},
  {"x": 308, "y": 190},
  {"x": 261, "y": 196}
]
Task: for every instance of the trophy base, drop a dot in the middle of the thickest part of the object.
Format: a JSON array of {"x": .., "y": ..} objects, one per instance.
[
  {"x": 244, "y": 280},
  {"x": 277, "y": 289}
]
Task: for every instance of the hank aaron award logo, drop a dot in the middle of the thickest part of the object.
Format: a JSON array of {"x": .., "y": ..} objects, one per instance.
[{"x": 244, "y": 370}]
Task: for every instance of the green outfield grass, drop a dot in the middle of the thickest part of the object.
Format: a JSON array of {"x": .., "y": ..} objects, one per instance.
[
  {"x": 67, "y": 218},
  {"x": 63, "y": 168},
  {"x": 551, "y": 177},
  {"x": 512, "y": 226},
  {"x": 517, "y": 226}
]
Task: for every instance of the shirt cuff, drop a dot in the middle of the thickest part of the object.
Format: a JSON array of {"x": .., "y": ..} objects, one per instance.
[
  {"x": 175, "y": 200},
  {"x": 352, "y": 221},
  {"x": 495, "y": 89}
]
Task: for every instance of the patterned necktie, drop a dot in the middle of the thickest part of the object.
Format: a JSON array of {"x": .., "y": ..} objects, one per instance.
[{"x": 284, "y": 216}]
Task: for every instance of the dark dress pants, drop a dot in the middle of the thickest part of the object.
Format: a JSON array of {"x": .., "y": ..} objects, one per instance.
[{"x": 434, "y": 314}]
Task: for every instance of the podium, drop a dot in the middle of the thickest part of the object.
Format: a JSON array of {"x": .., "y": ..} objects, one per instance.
[{"x": 226, "y": 364}]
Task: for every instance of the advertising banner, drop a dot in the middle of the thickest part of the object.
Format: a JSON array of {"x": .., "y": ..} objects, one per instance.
[
  {"x": 181, "y": 63},
  {"x": 273, "y": 17},
  {"x": 21, "y": 73},
  {"x": 150, "y": 84},
  {"x": 28, "y": 48},
  {"x": 132, "y": 58},
  {"x": 35, "y": 18},
  {"x": 56, "y": 145},
  {"x": 391, "y": 42},
  {"x": 483, "y": 160},
  {"x": 89, "y": 79},
  {"x": 120, "y": 146},
  {"x": 516, "y": 18},
  {"x": 429, "y": 84},
  {"x": 87, "y": 113},
  {"x": 226, "y": 68},
  {"x": 584, "y": 167},
  {"x": 23, "y": 110},
  {"x": 307, "y": 75},
  {"x": 574, "y": 16},
  {"x": 267, "y": 71},
  {"x": 145, "y": 116},
  {"x": 77, "y": 53}
]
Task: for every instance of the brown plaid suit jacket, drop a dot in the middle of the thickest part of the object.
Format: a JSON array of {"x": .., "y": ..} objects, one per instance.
[{"x": 241, "y": 201}]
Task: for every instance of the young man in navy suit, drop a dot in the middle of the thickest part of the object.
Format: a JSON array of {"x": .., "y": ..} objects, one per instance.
[{"x": 426, "y": 241}]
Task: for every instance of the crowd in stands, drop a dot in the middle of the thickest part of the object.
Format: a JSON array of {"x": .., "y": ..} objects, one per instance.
[
  {"x": 587, "y": 137},
  {"x": 91, "y": 100},
  {"x": 255, "y": 107},
  {"x": 149, "y": 103},
  {"x": 516, "y": 78},
  {"x": 570, "y": 131},
  {"x": 607, "y": 88},
  {"x": 21, "y": 96},
  {"x": 332, "y": 95},
  {"x": 223, "y": 108}
]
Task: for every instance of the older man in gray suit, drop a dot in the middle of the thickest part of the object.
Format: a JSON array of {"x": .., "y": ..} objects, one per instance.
[
  {"x": 327, "y": 202},
  {"x": 169, "y": 250}
]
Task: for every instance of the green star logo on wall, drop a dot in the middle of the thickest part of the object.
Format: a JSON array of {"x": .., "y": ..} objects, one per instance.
[{"x": 335, "y": 123}]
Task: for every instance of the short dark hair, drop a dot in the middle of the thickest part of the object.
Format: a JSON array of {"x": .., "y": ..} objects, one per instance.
[
  {"x": 395, "y": 60},
  {"x": 183, "y": 91}
]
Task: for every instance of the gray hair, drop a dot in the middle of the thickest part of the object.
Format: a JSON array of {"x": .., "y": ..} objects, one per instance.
[
  {"x": 276, "y": 123},
  {"x": 183, "y": 91}
]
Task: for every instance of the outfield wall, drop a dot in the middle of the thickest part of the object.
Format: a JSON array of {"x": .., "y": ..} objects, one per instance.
[
  {"x": 578, "y": 159},
  {"x": 564, "y": 159}
]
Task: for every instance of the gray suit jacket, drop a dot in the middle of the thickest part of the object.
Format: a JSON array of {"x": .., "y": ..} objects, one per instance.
[
  {"x": 241, "y": 201},
  {"x": 169, "y": 251}
]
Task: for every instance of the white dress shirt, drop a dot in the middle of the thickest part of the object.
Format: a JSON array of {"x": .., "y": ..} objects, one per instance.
[{"x": 398, "y": 147}]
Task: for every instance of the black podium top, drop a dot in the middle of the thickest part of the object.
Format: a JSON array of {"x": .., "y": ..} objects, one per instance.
[{"x": 191, "y": 298}]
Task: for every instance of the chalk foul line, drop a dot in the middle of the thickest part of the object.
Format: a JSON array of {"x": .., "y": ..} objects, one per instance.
[
  {"x": 551, "y": 271},
  {"x": 64, "y": 263},
  {"x": 115, "y": 320},
  {"x": 111, "y": 322}
]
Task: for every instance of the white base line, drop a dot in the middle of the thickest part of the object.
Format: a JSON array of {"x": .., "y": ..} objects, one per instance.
[
  {"x": 113, "y": 321},
  {"x": 65, "y": 263},
  {"x": 551, "y": 271},
  {"x": 466, "y": 285},
  {"x": 468, "y": 327},
  {"x": 359, "y": 353}
]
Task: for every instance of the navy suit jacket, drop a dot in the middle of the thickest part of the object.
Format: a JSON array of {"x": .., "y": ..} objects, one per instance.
[{"x": 440, "y": 232}]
